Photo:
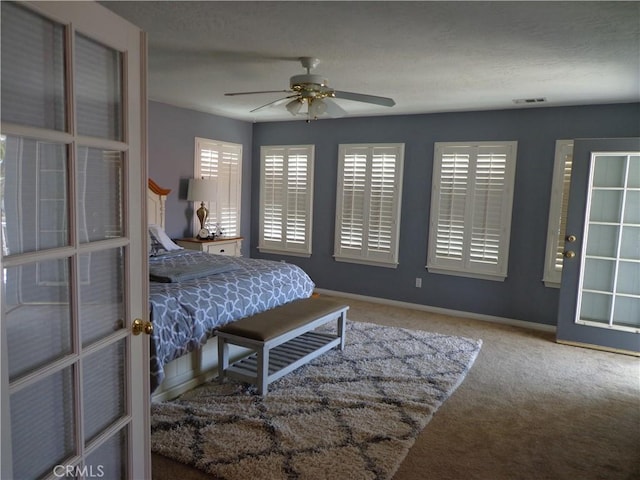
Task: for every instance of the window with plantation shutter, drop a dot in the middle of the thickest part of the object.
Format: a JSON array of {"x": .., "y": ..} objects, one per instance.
[
  {"x": 471, "y": 202},
  {"x": 558, "y": 213},
  {"x": 368, "y": 201},
  {"x": 222, "y": 162},
  {"x": 286, "y": 199}
]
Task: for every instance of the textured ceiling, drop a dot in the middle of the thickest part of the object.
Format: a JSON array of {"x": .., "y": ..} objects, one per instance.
[{"x": 428, "y": 56}]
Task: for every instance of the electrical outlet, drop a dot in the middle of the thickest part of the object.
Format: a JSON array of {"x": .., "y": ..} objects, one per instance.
[{"x": 418, "y": 282}]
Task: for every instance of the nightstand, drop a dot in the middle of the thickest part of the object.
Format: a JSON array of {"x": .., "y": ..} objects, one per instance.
[{"x": 221, "y": 246}]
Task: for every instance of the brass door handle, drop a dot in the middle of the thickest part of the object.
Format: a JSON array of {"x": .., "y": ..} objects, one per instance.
[
  {"x": 569, "y": 254},
  {"x": 140, "y": 326},
  {"x": 571, "y": 238}
]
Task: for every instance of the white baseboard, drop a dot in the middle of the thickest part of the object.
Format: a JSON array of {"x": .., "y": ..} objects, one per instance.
[{"x": 444, "y": 311}]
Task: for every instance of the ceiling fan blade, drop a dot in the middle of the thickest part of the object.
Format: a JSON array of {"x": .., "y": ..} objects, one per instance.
[
  {"x": 333, "y": 109},
  {"x": 361, "y": 97},
  {"x": 252, "y": 93},
  {"x": 275, "y": 103}
]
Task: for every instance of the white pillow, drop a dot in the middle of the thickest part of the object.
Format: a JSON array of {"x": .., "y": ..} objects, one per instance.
[{"x": 158, "y": 232}]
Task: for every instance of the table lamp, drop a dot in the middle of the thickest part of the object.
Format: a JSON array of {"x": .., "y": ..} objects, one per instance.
[{"x": 202, "y": 190}]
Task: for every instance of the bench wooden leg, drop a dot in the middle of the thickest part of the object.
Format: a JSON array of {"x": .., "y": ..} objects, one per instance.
[
  {"x": 223, "y": 358},
  {"x": 342, "y": 323},
  {"x": 263, "y": 370}
]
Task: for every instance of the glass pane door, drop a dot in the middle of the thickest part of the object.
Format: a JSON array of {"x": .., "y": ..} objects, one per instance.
[
  {"x": 600, "y": 291},
  {"x": 70, "y": 250},
  {"x": 610, "y": 293}
]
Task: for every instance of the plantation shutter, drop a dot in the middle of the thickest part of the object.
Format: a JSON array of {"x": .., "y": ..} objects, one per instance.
[
  {"x": 221, "y": 162},
  {"x": 562, "y": 230},
  {"x": 286, "y": 199},
  {"x": 352, "y": 218},
  {"x": 450, "y": 193},
  {"x": 229, "y": 188},
  {"x": 272, "y": 189},
  {"x": 471, "y": 208},
  {"x": 381, "y": 212},
  {"x": 558, "y": 213},
  {"x": 488, "y": 196},
  {"x": 297, "y": 198},
  {"x": 368, "y": 201}
]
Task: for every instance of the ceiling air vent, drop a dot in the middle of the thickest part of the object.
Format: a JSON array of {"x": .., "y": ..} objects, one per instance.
[{"x": 529, "y": 100}]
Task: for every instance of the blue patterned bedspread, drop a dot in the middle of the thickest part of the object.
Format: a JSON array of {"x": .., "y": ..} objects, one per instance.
[{"x": 185, "y": 314}]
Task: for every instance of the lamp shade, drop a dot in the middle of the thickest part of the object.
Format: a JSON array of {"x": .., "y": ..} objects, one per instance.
[
  {"x": 317, "y": 107},
  {"x": 294, "y": 106},
  {"x": 201, "y": 190}
]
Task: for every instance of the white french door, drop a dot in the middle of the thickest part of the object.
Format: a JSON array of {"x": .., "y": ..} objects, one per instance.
[
  {"x": 600, "y": 290},
  {"x": 75, "y": 396}
]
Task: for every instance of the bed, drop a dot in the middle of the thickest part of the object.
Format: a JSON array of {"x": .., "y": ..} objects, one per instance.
[{"x": 193, "y": 292}]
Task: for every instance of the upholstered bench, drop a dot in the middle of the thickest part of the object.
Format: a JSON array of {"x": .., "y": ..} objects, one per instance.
[{"x": 283, "y": 340}]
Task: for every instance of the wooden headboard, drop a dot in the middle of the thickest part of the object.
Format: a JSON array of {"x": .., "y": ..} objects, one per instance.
[{"x": 156, "y": 197}]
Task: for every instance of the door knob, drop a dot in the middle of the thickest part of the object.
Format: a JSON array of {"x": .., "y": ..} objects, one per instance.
[
  {"x": 569, "y": 254},
  {"x": 571, "y": 238},
  {"x": 140, "y": 326}
]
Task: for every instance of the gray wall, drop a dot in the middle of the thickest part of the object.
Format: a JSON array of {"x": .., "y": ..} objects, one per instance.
[
  {"x": 172, "y": 133},
  {"x": 522, "y": 296}
]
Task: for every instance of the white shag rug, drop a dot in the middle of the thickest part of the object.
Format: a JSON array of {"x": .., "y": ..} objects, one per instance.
[{"x": 349, "y": 414}]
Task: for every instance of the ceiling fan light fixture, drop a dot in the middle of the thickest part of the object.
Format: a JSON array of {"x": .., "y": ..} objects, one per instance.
[
  {"x": 294, "y": 106},
  {"x": 317, "y": 107}
]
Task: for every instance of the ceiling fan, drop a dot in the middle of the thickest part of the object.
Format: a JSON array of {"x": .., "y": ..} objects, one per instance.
[{"x": 312, "y": 90}]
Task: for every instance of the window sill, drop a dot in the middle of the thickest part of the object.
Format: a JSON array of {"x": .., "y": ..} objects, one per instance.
[
  {"x": 551, "y": 284},
  {"x": 290, "y": 253},
  {"x": 362, "y": 261},
  {"x": 479, "y": 276}
]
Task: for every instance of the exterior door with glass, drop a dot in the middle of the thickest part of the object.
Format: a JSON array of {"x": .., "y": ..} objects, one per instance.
[
  {"x": 600, "y": 291},
  {"x": 74, "y": 379}
]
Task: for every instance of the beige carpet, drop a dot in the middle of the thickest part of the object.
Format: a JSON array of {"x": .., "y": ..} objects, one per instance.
[
  {"x": 347, "y": 414},
  {"x": 529, "y": 409}
]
